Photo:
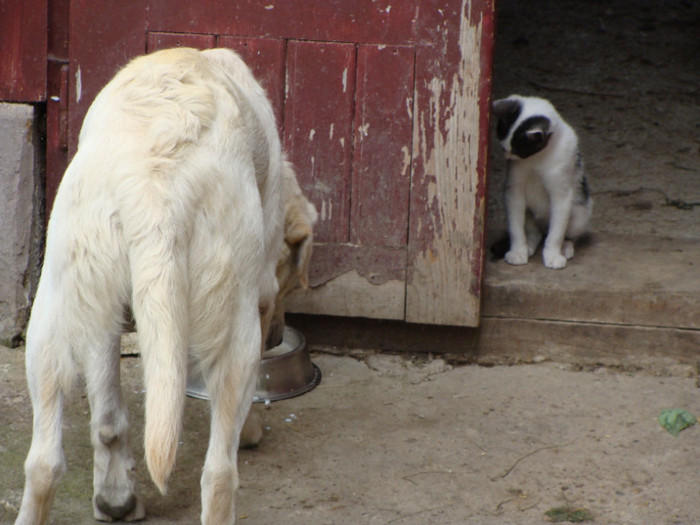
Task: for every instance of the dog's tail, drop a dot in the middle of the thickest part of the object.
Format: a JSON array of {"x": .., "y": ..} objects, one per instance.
[{"x": 160, "y": 298}]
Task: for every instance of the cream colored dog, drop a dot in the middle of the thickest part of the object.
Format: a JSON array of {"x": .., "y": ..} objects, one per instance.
[{"x": 174, "y": 204}]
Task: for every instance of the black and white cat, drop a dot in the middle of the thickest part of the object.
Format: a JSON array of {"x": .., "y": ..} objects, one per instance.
[{"x": 546, "y": 187}]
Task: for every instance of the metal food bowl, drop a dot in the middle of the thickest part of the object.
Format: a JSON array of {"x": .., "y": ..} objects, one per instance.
[{"x": 286, "y": 371}]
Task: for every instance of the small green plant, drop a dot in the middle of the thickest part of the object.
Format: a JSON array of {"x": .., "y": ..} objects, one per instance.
[
  {"x": 676, "y": 419},
  {"x": 568, "y": 514}
]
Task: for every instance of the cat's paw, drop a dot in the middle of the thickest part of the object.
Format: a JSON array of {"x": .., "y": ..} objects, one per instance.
[
  {"x": 533, "y": 242},
  {"x": 554, "y": 260},
  {"x": 568, "y": 249},
  {"x": 517, "y": 257},
  {"x": 532, "y": 248}
]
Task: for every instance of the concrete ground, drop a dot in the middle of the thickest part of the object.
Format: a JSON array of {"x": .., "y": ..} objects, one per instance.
[{"x": 388, "y": 440}]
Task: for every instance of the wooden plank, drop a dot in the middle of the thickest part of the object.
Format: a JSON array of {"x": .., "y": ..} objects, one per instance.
[
  {"x": 157, "y": 40},
  {"x": 450, "y": 155},
  {"x": 382, "y": 148},
  {"x": 364, "y": 21},
  {"x": 351, "y": 295},
  {"x": 377, "y": 264},
  {"x": 23, "y": 47},
  {"x": 56, "y": 99},
  {"x": 56, "y": 130},
  {"x": 318, "y": 129},
  {"x": 59, "y": 28},
  {"x": 102, "y": 40},
  {"x": 266, "y": 58},
  {"x": 354, "y": 281}
]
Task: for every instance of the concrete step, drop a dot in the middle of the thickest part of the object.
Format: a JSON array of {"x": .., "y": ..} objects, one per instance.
[
  {"x": 622, "y": 300},
  {"x": 613, "y": 279}
]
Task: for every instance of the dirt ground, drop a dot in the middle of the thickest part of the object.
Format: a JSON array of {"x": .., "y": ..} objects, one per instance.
[{"x": 387, "y": 440}]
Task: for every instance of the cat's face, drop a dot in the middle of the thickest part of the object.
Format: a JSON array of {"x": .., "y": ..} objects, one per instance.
[{"x": 524, "y": 125}]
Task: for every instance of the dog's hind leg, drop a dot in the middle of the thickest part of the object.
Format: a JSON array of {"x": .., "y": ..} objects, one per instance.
[
  {"x": 231, "y": 384},
  {"x": 115, "y": 495},
  {"x": 45, "y": 463}
]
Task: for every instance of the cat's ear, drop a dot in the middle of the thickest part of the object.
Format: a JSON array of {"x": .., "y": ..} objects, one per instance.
[
  {"x": 541, "y": 132},
  {"x": 505, "y": 108},
  {"x": 507, "y": 112}
]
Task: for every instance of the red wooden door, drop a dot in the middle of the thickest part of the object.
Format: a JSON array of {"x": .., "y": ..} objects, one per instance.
[
  {"x": 384, "y": 110},
  {"x": 23, "y": 50}
]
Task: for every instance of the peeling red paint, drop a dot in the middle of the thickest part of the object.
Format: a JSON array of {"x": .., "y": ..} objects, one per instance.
[
  {"x": 24, "y": 41},
  {"x": 382, "y": 145},
  {"x": 376, "y": 264},
  {"x": 101, "y": 42},
  {"x": 318, "y": 119},
  {"x": 360, "y": 21},
  {"x": 56, "y": 130},
  {"x": 453, "y": 88},
  {"x": 485, "y": 12},
  {"x": 376, "y": 103}
]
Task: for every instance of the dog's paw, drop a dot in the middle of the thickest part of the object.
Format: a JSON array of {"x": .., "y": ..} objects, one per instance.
[
  {"x": 554, "y": 260},
  {"x": 517, "y": 257},
  {"x": 252, "y": 431},
  {"x": 130, "y": 510}
]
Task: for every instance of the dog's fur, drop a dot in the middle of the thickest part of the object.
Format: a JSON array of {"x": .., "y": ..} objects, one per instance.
[
  {"x": 293, "y": 267},
  {"x": 175, "y": 205},
  {"x": 292, "y": 271}
]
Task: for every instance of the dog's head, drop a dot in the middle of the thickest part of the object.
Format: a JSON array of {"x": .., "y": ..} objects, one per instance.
[{"x": 293, "y": 266}]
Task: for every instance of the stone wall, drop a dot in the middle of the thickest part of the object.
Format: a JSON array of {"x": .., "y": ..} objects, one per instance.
[{"x": 21, "y": 216}]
